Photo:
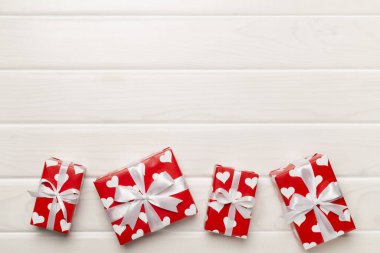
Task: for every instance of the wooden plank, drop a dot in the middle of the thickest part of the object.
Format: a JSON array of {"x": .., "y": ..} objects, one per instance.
[
  {"x": 187, "y": 242},
  {"x": 189, "y": 96},
  {"x": 359, "y": 194},
  {"x": 189, "y": 42},
  {"x": 188, "y": 7},
  {"x": 353, "y": 149}
]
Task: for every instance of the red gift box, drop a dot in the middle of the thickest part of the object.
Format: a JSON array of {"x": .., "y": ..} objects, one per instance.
[
  {"x": 57, "y": 195},
  {"x": 315, "y": 205},
  {"x": 145, "y": 196},
  {"x": 231, "y": 202}
]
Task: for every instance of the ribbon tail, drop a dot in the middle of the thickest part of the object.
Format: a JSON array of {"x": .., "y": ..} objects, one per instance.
[
  {"x": 154, "y": 220},
  {"x": 327, "y": 230},
  {"x": 63, "y": 207},
  {"x": 231, "y": 220},
  {"x": 132, "y": 213},
  {"x": 52, "y": 214},
  {"x": 246, "y": 213}
]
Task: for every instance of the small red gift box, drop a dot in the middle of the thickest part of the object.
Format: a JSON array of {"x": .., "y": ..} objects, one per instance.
[
  {"x": 145, "y": 196},
  {"x": 231, "y": 202},
  {"x": 57, "y": 195},
  {"x": 314, "y": 202}
]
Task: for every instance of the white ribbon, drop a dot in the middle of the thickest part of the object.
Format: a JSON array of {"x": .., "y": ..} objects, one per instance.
[
  {"x": 233, "y": 198},
  {"x": 47, "y": 189},
  {"x": 299, "y": 205},
  {"x": 158, "y": 194}
]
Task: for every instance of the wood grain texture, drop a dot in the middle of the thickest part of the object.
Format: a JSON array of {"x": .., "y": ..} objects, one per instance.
[
  {"x": 189, "y": 96},
  {"x": 90, "y": 216},
  {"x": 353, "y": 149},
  {"x": 189, "y": 42},
  {"x": 187, "y": 242},
  {"x": 189, "y": 7}
]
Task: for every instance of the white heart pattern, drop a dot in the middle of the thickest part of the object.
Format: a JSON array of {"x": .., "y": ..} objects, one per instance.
[
  {"x": 64, "y": 180},
  {"x": 339, "y": 233},
  {"x": 323, "y": 161},
  {"x": 155, "y": 175},
  {"x": 114, "y": 182},
  {"x": 191, "y": 210},
  {"x": 56, "y": 209},
  {"x": 50, "y": 163},
  {"x": 251, "y": 182},
  {"x": 318, "y": 179},
  {"x": 225, "y": 221},
  {"x": 215, "y": 231},
  {"x": 299, "y": 219},
  {"x": 78, "y": 169},
  {"x": 315, "y": 228},
  {"x": 223, "y": 176},
  {"x": 295, "y": 173},
  {"x": 107, "y": 202},
  {"x": 166, "y": 221},
  {"x": 143, "y": 217},
  {"x": 119, "y": 229},
  {"x": 65, "y": 225},
  {"x": 308, "y": 245},
  {"x": 166, "y": 157},
  {"x": 36, "y": 218},
  {"x": 287, "y": 192},
  {"x": 138, "y": 234},
  {"x": 242, "y": 237},
  {"x": 347, "y": 216}
]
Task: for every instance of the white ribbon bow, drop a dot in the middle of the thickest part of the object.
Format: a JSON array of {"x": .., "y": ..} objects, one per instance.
[
  {"x": 233, "y": 198},
  {"x": 242, "y": 204},
  {"x": 158, "y": 194},
  {"x": 299, "y": 205},
  {"x": 47, "y": 189}
]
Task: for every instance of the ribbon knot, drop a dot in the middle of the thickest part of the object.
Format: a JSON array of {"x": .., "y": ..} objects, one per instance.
[
  {"x": 322, "y": 204},
  {"x": 46, "y": 189},
  {"x": 158, "y": 194}
]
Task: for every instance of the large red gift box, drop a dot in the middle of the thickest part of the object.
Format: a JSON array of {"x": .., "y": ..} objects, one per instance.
[
  {"x": 145, "y": 196},
  {"x": 57, "y": 195},
  {"x": 314, "y": 202},
  {"x": 231, "y": 201}
]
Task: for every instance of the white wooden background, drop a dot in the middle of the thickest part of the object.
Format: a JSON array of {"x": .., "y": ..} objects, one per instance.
[{"x": 250, "y": 83}]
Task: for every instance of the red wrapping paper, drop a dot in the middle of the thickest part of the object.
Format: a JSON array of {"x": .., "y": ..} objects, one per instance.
[
  {"x": 290, "y": 182},
  {"x": 161, "y": 163},
  {"x": 246, "y": 183},
  {"x": 72, "y": 179}
]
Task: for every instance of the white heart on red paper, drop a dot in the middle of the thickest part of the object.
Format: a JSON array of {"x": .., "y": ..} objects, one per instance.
[
  {"x": 166, "y": 221},
  {"x": 323, "y": 161},
  {"x": 299, "y": 219},
  {"x": 166, "y": 157},
  {"x": 191, "y": 210},
  {"x": 56, "y": 209},
  {"x": 287, "y": 192},
  {"x": 215, "y": 231},
  {"x": 107, "y": 202},
  {"x": 65, "y": 225},
  {"x": 143, "y": 217},
  {"x": 251, "y": 182},
  {"x": 36, "y": 218},
  {"x": 113, "y": 182},
  {"x": 309, "y": 245},
  {"x": 339, "y": 233},
  {"x": 119, "y": 229},
  {"x": 78, "y": 169},
  {"x": 243, "y": 237},
  {"x": 223, "y": 176},
  {"x": 318, "y": 179},
  {"x": 225, "y": 221},
  {"x": 138, "y": 234},
  {"x": 64, "y": 179},
  {"x": 315, "y": 228},
  {"x": 50, "y": 163},
  {"x": 346, "y": 216},
  {"x": 295, "y": 173}
]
